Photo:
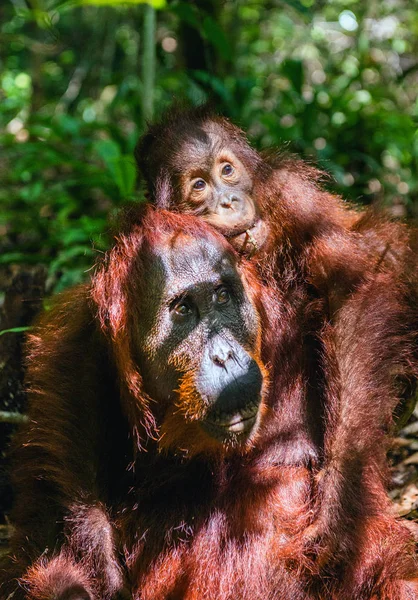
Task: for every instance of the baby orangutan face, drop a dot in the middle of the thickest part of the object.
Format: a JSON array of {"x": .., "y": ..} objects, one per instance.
[
  {"x": 212, "y": 182},
  {"x": 220, "y": 188}
]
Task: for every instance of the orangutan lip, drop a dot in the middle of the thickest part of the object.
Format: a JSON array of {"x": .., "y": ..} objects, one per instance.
[
  {"x": 238, "y": 423},
  {"x": 250, "y": 240},
  {"x": 241, "y": 425},
  {"x": 234, "y": 234}
]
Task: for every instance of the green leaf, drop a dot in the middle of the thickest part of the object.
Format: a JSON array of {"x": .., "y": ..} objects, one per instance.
[
  {"x": 73, "y": 235},
  {"x": 157, "y": 4},
  {"x": 217, "y": 85},
  {"x": 15, "y": 330},
  {"x": 32, "y": 192},
  {"x": 210, "y": 29},
  {"x": 20, "y": 257},
  {"x": 68, "y": 255},
  {"x": 293, "y": 70},
  {"x": 126, "y": 176},
  {"x": 69, "y": 278},
  {"x": 121, "y": 168},
  {"x": 216, "y": 36},
  {"x": 68, "y": 124},
  {"x": 302, "y": 7},
  {"x": 108, "y": 150},
  {"x": 186, "y": 13}
]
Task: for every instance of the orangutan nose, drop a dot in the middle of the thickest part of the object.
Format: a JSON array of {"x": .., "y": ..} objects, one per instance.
[
  {"x": 221, "y": 356},
  {"x": 229, "y": 378},
  {"x": 231, "y": 202},
  {"x": 226, "y": 203}
]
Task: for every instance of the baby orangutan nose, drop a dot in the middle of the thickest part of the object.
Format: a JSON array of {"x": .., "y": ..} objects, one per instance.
[
  {"x": 232, "y": 202},
  {"x": 230, "y": 382}
]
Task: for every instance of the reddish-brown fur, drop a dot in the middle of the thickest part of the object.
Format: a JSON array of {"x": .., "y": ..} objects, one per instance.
[
  {"x": 351, "y": 279},
  {"x": 101, "y": 511}
]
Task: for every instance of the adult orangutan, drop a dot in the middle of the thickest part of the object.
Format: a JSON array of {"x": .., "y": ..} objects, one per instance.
[
  {"x": 153, "y": 468},
  {"x": 137, "y": 374},
  {"x": 351, "y": 276}
]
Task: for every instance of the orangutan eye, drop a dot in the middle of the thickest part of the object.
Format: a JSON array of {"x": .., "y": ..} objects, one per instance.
[
  {"x": 182, "y": 307},
  {"x": 227, "y": 170},
  {"x": 222, "y": 295},
  {"x": 199, "y": 185}
]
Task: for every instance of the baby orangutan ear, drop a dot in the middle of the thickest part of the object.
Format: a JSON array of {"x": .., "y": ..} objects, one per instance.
[
  {"x": 155, "y": 174},
  {"x": 163, "y": 193}
]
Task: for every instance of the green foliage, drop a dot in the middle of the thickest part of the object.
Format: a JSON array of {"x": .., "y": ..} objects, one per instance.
[
  {"x": 153, "y": 3},
  {"x": 14, "y": 330},
  {"x": 335, "y": 82},
  {"x": 121, "y": 168}
]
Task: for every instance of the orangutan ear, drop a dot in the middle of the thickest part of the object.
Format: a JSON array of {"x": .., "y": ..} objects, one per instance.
[
  {"x": 163, "y": 191},
  {"x": 111, "y": 291},
  {"x": 160, "y": 190},
  {"x": 142, "y": 153}
]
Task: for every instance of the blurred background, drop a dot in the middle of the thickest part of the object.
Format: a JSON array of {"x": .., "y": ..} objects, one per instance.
[{"x": 334, "y": 81}]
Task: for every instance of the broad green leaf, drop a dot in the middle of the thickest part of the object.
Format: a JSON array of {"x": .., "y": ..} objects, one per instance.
[
  {"x": 216, "y": 36},
  {"x": 73, "y": 235},
  {"x": 121, "y": 168},
  {"x": 68, "y": 124},
  {"x": 127, "y": 170},
  {"x": 108, "y": 150}
]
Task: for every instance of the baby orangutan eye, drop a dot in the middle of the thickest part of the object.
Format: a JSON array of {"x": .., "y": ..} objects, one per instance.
[
  {"x": 199, "y": 185},
  {"x": 222, "y": 295},
  {"x": 227, "y": 170}
]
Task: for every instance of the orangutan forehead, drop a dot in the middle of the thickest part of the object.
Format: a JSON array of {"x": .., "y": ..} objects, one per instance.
[
  {"x": 198, "y": 257},
  {"x": 207, "y": 144},
  {"x": 185, "y": 258}
]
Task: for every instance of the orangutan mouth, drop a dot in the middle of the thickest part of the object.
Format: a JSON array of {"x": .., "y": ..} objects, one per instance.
[
  {"x": 250, "y": 240},
  {"x": 239, "y": 424}
]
